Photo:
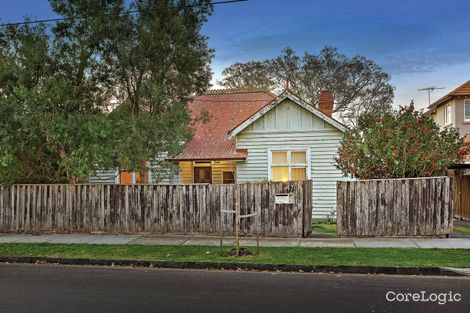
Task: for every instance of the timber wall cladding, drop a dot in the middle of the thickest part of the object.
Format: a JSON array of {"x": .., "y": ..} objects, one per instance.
[
  {"x": 155, "y": 208},
  {"x": 395, "y": 207}
]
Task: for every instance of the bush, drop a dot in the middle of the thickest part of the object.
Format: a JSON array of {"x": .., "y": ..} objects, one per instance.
[{"x": 401, "y": 143}]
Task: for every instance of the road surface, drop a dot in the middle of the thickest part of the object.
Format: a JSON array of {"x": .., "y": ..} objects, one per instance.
[{"x": 54, "y": 288}]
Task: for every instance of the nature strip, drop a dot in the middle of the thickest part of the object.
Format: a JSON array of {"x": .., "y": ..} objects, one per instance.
[{"x": 341, "y": 269}]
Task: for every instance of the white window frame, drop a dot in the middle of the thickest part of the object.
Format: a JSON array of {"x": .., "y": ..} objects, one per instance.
[
  {"x": 447, "y": 118},
  {"x": 289, "y": 165},
  {"x": 465, "y": 103}
]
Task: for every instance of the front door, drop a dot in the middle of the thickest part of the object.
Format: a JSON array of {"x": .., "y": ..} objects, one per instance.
[{"x": 202, "y": 175}]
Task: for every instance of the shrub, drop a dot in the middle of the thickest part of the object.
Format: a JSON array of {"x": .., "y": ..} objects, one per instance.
[{"x": 400, "y": 143}]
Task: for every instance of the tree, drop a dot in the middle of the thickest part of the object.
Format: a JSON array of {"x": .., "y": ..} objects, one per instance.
[
  {"x": 57, "y": 87},
  {"x": 402, "y": 143},
  {"x": 359, "y": 85}
]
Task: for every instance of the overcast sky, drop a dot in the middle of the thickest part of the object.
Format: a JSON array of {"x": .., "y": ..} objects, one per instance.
[{"x": 419, "y": 42}]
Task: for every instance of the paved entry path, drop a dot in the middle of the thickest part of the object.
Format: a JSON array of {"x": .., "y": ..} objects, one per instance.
[{"x": 426, "y": 243}]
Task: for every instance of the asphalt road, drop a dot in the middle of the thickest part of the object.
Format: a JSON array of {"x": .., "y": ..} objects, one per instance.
[{"x": 50, "y": 288}]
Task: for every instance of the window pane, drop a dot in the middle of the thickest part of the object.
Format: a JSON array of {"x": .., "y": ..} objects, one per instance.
[
  {"x": 279, "y": 157},
  {"x": 298, "y": 174},
  {"x": 298, "y": 157},
  {"x": 228, "y": 178},
  {"x": 125, "y": 177},
  {"x": 203, "y": 175},
  {"x": 280, "y": 173}
]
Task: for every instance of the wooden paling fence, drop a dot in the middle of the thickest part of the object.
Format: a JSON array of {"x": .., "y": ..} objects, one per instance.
[
  {"x": 155, "y": 208},
  {"x": 395, "y": 207},
  {"x": 462, "y": 196}
]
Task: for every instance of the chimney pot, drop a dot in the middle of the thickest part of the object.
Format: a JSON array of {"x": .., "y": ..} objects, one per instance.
[{"x": 326, "y": 102}]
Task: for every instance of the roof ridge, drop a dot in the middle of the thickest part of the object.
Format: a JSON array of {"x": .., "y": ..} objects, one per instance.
[{"x": 233, "y": 90}]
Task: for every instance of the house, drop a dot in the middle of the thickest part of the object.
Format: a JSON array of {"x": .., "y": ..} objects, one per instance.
[
  {"x": 251, "y": 135},
  {"x": 453, "y": 110}
]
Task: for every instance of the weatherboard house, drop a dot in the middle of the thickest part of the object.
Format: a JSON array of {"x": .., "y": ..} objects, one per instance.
[{"x": 252, "y": 135}]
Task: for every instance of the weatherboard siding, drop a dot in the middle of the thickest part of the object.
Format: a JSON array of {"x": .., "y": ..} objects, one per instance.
[
  {"x": 103, "y": 177},
  {"x": 218, "y": 168},
  {"x": 289, "y": 125}
]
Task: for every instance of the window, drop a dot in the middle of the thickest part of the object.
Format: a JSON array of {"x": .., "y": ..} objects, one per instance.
[
  {"x": 288, "y": 165},
  {"x": 448, "y": 114},
  {"x": 466, "y": 110},
  {"x": 203, "y": 175},
  {"x": 130, "y": 178},
  {"x": 228, "y": 177}
]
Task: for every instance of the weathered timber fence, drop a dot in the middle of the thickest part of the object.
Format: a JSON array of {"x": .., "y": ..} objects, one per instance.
[
  {"x": 395, "y": 207},
  {"x": 155, "y": 208},
  {"x": 462, "y": 196}
]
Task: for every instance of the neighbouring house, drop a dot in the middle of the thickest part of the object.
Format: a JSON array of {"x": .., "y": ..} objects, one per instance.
[
  {"x": 453, "y": 110},
  {"x": 252, "y": 135}
]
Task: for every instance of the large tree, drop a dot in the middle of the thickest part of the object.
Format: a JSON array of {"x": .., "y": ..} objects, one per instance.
[
  {"x": 58, "y": 85},
  {"x": 359, "y": 85}
]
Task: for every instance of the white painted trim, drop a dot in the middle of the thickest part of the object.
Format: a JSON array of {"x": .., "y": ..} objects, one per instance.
[
  {"x": 133, "y": 178},
  {"x": 279, "y": 99},
  {"x": 270, "y": 161},
  {"x": 289, "y": 149},
  {"x": 446, "y": 122},
  {"x": 309, "y": 164},
  {"x": 117, "y": 176}
]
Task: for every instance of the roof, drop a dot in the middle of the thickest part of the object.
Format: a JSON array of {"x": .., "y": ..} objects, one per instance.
[
  {"x": 226, "y": 109},
  {"x": 462, "y": 90},
  {"x": 229, "y": 111}
]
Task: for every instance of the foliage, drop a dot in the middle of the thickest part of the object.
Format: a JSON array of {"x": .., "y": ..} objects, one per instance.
[
  {"x": 359, "y": 85},
  {"x": 58, "y": 85},
  {"x": 402, "y": 143}
]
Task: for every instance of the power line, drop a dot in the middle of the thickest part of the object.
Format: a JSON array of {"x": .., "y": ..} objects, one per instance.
[{"x": 111, "y": 14}]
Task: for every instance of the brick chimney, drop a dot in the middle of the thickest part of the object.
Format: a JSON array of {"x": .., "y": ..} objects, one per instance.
[{"x": 326, "y": 102}]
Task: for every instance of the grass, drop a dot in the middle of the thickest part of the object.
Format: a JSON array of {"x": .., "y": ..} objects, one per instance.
[
  {"x": 462, "y": 229},
  {"x": 324, "y": 227},
  {"x": 271, "y": 255}
]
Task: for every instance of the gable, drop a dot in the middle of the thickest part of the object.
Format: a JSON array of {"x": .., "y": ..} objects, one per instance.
[
  {"x": 287, "y": 116},
  {"x": 288, "y": 113}
]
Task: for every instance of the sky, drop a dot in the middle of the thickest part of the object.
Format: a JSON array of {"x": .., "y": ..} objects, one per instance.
[{"x": 418, "y": 42}]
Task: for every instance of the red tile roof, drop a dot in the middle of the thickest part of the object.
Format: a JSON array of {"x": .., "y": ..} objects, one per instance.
[
  {"x": 226, "y": 109},
  {"x": 462, "y": 90}
]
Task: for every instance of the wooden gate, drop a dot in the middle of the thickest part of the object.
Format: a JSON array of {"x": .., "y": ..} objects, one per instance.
[{"x": 462, "y": 196}]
